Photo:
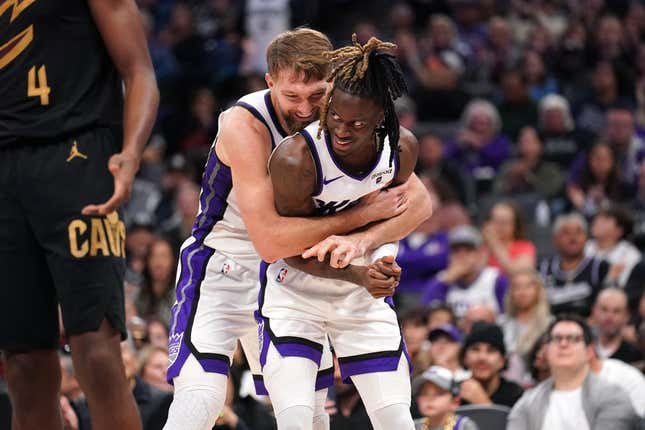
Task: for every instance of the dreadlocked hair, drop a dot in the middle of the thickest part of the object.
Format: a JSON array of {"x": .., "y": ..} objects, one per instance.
[{"x": 367, "y": 71}]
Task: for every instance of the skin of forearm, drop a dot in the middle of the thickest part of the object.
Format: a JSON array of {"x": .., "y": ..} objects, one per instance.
[{"x": 322, "y": 269}]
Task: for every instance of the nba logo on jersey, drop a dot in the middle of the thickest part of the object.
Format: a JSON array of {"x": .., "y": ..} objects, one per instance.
[
  {"x": 282, "y": 275},
  {"x": 225, "y": 268}
]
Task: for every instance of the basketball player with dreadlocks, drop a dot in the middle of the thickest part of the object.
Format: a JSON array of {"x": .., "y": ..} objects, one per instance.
[
  {"x": 357, "y": 148},
  {"x": 237, "y": 226}
]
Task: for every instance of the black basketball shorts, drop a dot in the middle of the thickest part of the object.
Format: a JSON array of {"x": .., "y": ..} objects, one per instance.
[{"x": 50, "y": 253}]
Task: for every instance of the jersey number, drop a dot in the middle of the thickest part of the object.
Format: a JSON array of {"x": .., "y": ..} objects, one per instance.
[{"x": 37, "y": 87}]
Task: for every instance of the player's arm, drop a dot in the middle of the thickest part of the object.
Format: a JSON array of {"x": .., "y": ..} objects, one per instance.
[
  {"x": 293, "y": 176},
  {"x": 243, "y": 145},
  {"x": 392, "y": 229},
  {"x": 120, "y": 26}
]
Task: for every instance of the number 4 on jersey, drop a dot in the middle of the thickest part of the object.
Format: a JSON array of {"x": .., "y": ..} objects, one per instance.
[{"x": 38, "y": 88}]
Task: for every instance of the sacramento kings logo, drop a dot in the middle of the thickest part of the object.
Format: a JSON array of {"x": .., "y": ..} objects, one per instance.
[
  {"x": 174, "y": 343},
  {"x": 225, "y": 268},
  {"x": 282, "y": 275}
]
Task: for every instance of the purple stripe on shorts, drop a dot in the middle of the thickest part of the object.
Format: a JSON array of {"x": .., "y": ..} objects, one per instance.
[
  {"x": 260, "y": 388},
  {"x": 369, "y": 365},
  {"x": 325, "y": 378},
  {"x": 265, "y": 341},
  {"x": 214, "y": 365},
  {"x": 194, "y": 259},
  {"x": 292, "y": 349}
]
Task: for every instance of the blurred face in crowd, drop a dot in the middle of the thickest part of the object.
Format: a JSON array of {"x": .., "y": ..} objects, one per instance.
[
  {"x": 434, "y": 401},
  {"x": 157, "y": 334},
  {"x": 566, "y": 348},
  {"x": 484, "y": 361},
  {"x": 610, "y": 35},
  {"x": 161, "y": 261},
  {"x": 481, "y": 123},
  {"x": 297, "y": 102},
  {"x": 605, "y": 228},
  {"x": 439, "y": 317},
  {"x": 444, "y": 351},
  {"x": 533, "y": 67},
  {"x": 129, "y": 361},
  {"x": 603, "y": 78},
  {"x": 502, "y": 218},
  {"x": 541, "y": 363},
  {"x": 430, "y": 150},
  {"x": 467, "y": 255},
  {"x": 529, "y": 144},
  {"x": 476, "y": 313},
  {"x": 525, "y": 290},
  {"x": 610, "y": 313},
  {"x": 513, "y": 87},
  {"x": 441, "y": 33},
  {"x": 499, "y": 33},
  {"x": 554, "y": 121},
  {"x": 620, "y": 128},
  {"x": 414, "y": 335},
  {"x": 155, "y": 369},
  {"x": 601, "y": 162},
  {"x": 570, "y": 239}
]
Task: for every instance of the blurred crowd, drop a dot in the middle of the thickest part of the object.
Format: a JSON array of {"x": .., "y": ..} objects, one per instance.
[{"x": 530, "y": 117}]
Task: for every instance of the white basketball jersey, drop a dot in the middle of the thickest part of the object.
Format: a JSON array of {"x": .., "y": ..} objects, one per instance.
[
  {"x": 338, "y": 189},
  {"x": 219, "y": 222},
  {"x": 480, "y": 292}
]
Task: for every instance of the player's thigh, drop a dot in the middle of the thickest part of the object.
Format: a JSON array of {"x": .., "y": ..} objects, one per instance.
[
  {"x": 85, "y": 254},
  {"x": 30, "y": 317}
]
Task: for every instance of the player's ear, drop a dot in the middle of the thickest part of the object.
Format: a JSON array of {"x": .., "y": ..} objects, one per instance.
[{"x": 269, "y": 80}]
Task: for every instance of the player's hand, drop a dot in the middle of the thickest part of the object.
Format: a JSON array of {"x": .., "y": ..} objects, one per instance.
[
  {"x": 123, "y": 167},
  {"x": 330, "y": 407},
  {"x": 227, "y": 417},
  {"x": 385, "y": 267},
  {"x": 384, "y": 204},
  {"x": 341, "y": 249},
  {"x": 378, "y": 284}
]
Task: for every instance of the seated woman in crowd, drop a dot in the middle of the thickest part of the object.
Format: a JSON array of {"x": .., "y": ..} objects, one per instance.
[
  {"x": 526, "y": 318},
  {"x": 479, "y": 144},
  {"x": 599, "y": 184},
  {"x": 504, "y": 236}
]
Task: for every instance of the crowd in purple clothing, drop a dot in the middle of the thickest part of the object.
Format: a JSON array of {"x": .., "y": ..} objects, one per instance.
[{"x": 530, "y": 117}]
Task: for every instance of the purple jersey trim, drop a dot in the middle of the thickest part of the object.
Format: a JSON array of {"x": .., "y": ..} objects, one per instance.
[
  {"x": 193, "y": 262},
  {"x": 257, "y": 116},
  {"x": 316, "y": 157},
  {"x": 330, "y": 148},
  {"x": 217, "y": 184},
  {"x": 274, "y": 116}
]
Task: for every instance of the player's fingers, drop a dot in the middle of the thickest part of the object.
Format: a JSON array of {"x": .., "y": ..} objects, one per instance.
[
  {"x": 324, "y": 249},
  {"x": 349, "y": 253},
  {"x": 377, "y": 274}
]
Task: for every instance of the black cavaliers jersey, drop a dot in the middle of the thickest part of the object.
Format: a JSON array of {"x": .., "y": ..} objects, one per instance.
[{"x": 56, "y": 76}]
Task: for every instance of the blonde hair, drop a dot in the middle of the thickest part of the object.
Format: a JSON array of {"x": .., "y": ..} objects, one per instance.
[
  {"x": 541, "y": 311},
  {"x": 299, "y": 50}
]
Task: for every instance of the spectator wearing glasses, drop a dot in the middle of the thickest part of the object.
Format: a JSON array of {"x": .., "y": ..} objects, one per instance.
[{"x": 573, "y": 397}]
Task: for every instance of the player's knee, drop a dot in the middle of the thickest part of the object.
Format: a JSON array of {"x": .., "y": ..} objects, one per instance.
[
  {"x": 98, "y": 360},
  {"x": 24, "y": 370},
  {"x": 295, "y": 418},
  {"x": 396, "y": 416}
]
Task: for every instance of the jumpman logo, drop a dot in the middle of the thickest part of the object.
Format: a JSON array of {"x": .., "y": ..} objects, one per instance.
[{"x": 74, "y": 152}]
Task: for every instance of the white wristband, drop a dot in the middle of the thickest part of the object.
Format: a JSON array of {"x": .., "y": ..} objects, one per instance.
[{"x": 391, "y": 248}]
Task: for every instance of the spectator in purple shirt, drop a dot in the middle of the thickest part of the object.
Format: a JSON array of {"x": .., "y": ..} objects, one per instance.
[
  {"x": 479, "y": 144},
  {"x": 467, "y": 281}
]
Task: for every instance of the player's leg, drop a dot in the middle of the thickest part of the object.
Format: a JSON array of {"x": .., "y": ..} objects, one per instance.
[
  {"x": 215, "y": 302},
  {"x": 198, "y": 397},
  {"x": 367, "y": 339},
  {"x": 291, "y": 384},
  {"x": 99, "y": 369},
  {"x": 386, "y": 396},
  {"x": 86, "y": 259},
  {"x": 29, "y": 319}
]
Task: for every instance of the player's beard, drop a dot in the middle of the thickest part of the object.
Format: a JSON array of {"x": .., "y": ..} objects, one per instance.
[{"x": 295, "y": 125}]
